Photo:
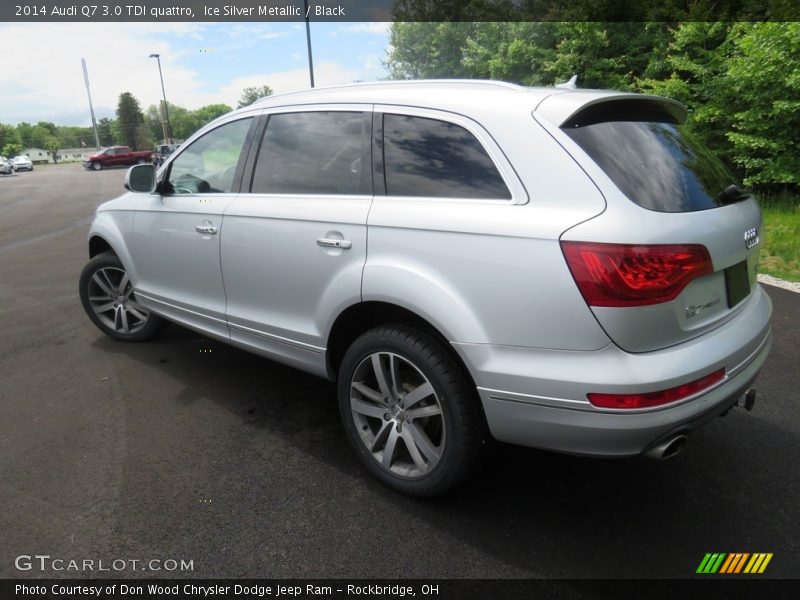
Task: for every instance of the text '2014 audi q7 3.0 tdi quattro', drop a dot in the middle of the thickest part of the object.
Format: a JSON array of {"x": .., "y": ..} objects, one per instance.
[{"x": 557, "y": 268}]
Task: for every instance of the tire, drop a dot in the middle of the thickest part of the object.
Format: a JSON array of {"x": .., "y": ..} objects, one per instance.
[
  {"x": 436, "y": 439},
  {"x": 96, "y": 166},
  {"x": 141, "y": 161},
  {"x": 115, "y": 311}
]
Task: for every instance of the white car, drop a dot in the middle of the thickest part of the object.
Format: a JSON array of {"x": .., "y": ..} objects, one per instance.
[
  {"x": 22, "y": 163},
  {"x": 5, "y": 166}
]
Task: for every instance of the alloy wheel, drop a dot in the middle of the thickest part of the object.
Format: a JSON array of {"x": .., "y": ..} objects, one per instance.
[
  {"x": 397, "y": 414},
  {"x": 113, "y": 302}
]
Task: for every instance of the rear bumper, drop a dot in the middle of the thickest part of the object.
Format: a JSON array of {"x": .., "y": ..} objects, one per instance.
[{"x": 537, "y": 398}]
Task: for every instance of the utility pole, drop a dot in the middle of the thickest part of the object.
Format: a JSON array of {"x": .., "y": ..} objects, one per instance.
[{"x": 91, "y": 108}]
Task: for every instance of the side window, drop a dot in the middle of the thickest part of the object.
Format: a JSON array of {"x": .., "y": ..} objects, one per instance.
[
  {"x": 209, "y": 163},
  {"x": 312, "y": 153},
  {"x": 428, "y": 157}
]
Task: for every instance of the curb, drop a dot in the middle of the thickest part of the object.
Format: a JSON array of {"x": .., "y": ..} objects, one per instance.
[{"x": 786, "y": 285}]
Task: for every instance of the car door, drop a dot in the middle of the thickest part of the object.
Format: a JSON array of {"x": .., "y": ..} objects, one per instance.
[
  {"x": 294, "y": 246},
  {"x": 175, "y": 244}
]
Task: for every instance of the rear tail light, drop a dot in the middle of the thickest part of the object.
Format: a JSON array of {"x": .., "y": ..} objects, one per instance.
[
  {"x": 634, "y": 275},
  {"x": 651, "y": 399}
]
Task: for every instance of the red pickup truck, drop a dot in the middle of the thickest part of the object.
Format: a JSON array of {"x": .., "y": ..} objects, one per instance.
[{"x": 117, "y": 155}]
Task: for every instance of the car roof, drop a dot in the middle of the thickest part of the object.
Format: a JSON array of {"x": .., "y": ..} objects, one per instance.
[
  {"x": 462, "y": 95},
  {"x": 432, "y": 93}
]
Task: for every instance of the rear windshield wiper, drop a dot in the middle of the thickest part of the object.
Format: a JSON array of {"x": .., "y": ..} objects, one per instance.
[{"x": 732, "y": 194}]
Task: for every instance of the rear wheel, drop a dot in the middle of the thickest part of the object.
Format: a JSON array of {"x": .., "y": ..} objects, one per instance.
[
  {"x": 107, "y": 296},
  {"x": 410, "y": 414}
]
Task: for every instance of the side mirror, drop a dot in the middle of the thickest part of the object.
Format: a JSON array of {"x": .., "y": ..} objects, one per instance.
[{"x": 141, "y": 178}]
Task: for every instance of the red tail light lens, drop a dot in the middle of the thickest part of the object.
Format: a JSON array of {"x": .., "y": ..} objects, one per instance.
[
  {"x": 634, "y": 275},
  {"x": 650, "y": 399}
]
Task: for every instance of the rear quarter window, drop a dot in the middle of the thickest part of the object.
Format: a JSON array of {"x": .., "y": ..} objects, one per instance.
[{"x": 431, "y": 158}]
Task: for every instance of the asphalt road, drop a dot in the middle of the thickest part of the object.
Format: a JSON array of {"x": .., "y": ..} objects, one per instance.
[{"x": 184, "y": 448}]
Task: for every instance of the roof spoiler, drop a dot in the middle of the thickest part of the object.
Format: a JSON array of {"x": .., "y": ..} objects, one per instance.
[{"x": 632, "y": 107}]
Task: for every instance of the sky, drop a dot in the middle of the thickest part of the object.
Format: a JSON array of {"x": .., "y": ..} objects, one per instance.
[{"x": 203, "y": 63}]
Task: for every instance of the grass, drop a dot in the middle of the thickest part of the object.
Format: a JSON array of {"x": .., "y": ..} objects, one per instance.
[{"x": 780, "y": 254}]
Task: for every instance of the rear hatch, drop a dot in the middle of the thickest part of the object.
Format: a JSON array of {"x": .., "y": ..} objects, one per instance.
[{"x": 676, "y": 251}]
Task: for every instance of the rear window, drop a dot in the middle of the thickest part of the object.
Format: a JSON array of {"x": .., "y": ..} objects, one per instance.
[{"x": 659, "y": 166}]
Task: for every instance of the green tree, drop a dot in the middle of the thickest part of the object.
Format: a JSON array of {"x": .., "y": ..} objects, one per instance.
[
  {"x": 38, "y": 136},
  {"x": 25, "y": 131},
  {"x": 144, "y": 140},
  {"x": 12, "y": 149},
  {"x": 426, "y": 50},
  {"x": 104, "y": 132},
  {"x": 762, "y": 90},
  {"x": 129, "y": 121},
  {"x": 609, "y": 55},
  {"x": 251, "y": 94},
  {"x": 70, "y": 136},
  {"x": 208, "y": 113},
  {"x": 153, "y": 120},
  {"x": 52, "y": 145},
  {"x": 9, "y": 137},
  {"x": 50, "y": 127},
  {"x": 693, "y": 70}
]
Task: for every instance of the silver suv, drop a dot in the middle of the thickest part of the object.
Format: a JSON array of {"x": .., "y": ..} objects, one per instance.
[{"x": 562, "y": 269}]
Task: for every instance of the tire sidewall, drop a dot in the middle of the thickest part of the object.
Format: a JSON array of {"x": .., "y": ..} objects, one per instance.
[
  {"x": 101, "y": 261},
  {"x": 381, "y": 340}
]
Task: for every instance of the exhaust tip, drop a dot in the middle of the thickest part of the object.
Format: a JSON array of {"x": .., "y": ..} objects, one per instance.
[
  {"x": 667, "y": 449},
  {"x": 749, "y": 399}
]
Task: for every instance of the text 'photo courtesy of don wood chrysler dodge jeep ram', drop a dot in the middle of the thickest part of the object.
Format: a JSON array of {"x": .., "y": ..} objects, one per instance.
[{"x": 557, "y": 268}]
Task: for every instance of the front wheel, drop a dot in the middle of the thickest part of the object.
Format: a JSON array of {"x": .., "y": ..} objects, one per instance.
[
  {"x": 107, "y": 296},
  {"x": 96, "y": 166},
  {"x": 409, "y": 412}
]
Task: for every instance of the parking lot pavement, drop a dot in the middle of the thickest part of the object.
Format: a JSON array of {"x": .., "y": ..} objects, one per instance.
[{"x": 185, "y": 448}]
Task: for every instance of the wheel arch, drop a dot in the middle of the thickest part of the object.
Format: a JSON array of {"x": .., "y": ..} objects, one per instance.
[
  {"x": 98, "y": 245},
  {"x": 106, "y": 234},
  {"x": 363, "y": 316}
]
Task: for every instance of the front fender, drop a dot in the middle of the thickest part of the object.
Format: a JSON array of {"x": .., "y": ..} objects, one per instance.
[{"x": 111, "y": 225}]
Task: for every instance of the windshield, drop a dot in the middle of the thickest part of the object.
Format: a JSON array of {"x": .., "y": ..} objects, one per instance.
[{"x": 658, "y": 166}]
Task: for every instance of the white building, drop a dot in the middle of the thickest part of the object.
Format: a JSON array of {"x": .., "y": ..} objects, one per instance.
[{"x": 39, "y": 156}]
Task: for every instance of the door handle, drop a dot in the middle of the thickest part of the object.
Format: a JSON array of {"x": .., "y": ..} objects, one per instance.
[
  {"x": 331, "y": 243},
  {"x": 209, "y": 229}
]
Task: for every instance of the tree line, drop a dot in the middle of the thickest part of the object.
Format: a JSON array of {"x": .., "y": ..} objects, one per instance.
[
  {"x": 739, "y": 80},
  {"x": 134, "y": 127}
]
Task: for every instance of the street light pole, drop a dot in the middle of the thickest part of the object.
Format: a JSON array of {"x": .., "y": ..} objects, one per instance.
[
  {"x": 165, "y": 127},
  {"x": 91, "y": 108},
  {"x": 308, "y": 43}
]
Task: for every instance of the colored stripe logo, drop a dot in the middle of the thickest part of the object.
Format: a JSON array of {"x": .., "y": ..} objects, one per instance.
[{"x": 734, "y": 563}]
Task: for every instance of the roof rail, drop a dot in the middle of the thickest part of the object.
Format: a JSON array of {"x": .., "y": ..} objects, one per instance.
[{"x": 401, "y": 82}]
